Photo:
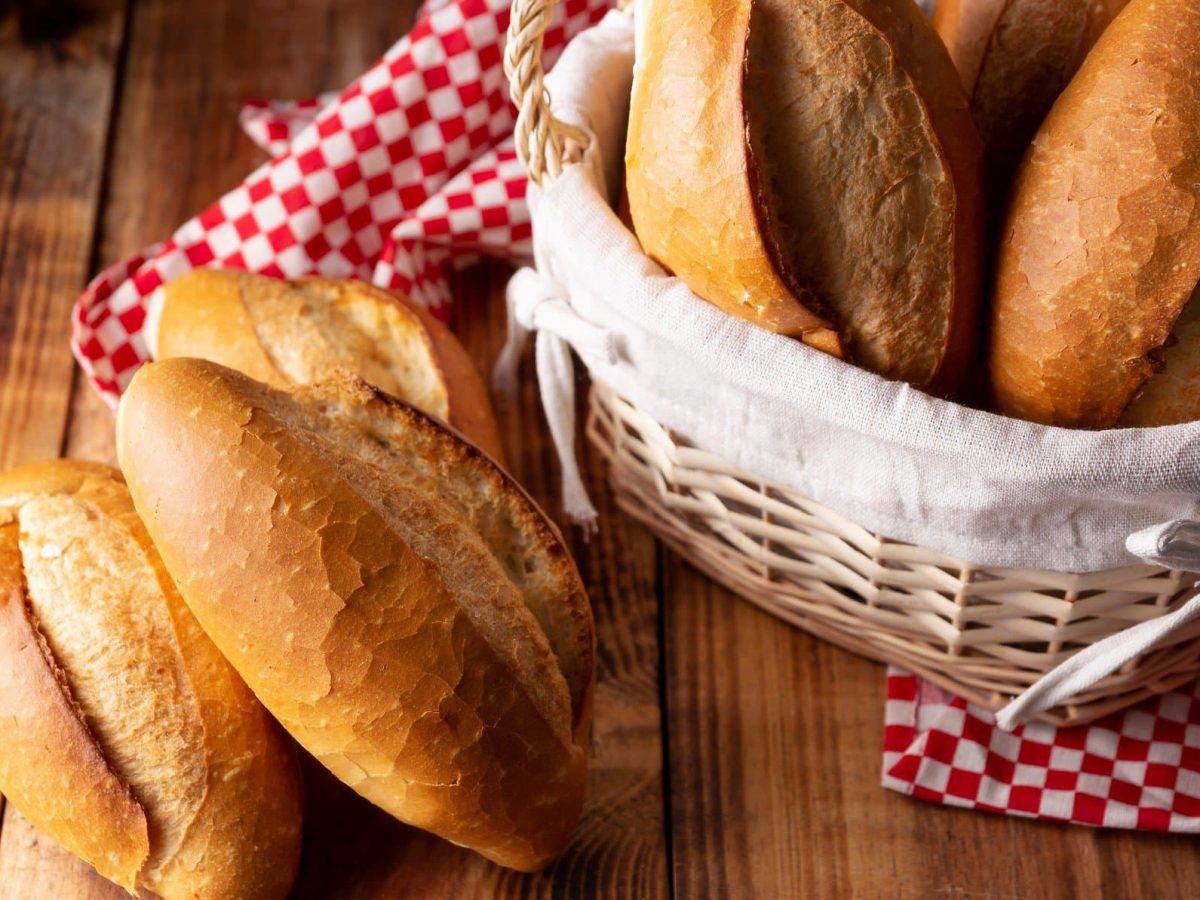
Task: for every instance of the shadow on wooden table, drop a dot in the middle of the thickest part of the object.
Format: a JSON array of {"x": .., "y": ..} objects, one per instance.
[{"x": 354, "y": 850}]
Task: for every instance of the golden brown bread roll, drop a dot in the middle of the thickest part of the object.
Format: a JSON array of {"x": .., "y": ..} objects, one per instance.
[
  {"x": 289, "y": 333},
  {"x": 1101, "y": 248},
  {"x": 124, "y": 734},
  {"x": 812, "y": 167},
  {"x": 1015, "y": 57},
  {"x": 394, "y": 599}
]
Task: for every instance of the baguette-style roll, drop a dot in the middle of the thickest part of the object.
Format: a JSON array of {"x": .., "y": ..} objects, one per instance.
[
  {"x": 289, "y": 333},
  {"x": 1014, "y": 58},
  {"x": 1101, "y": 249},
  {"x": 124, "y": 734},
  {"x": 390, "y": 594},
  {"x": 812, "y": 166}
]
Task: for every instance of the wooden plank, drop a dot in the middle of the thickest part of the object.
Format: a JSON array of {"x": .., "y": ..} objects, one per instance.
[
  {"x": 55, "y": 95},
  {"x": 619, "y": 849},
  {"x": 775, "y": 750},
  {"x": 57, "y": 71}
]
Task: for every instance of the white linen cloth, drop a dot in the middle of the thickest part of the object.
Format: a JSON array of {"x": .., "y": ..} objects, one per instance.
[{"x": 979, "y": 487}]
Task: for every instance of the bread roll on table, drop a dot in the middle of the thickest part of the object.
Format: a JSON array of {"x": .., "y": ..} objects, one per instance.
[
  {"x": 124, "y": 735},
  {"x": 387, "y": 591},
  {"x": 811, "y": 166},
  {"x": 289, "y": 333},
  {"x": 1101, "y": 249}
]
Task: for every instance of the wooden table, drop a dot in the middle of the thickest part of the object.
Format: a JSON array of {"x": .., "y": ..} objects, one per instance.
[{"x": 733, "y": 755}]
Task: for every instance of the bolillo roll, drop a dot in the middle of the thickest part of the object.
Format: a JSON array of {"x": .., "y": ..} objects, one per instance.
[
  {"x": 124, "y": 734},
  {"x": 811, "y": 166},
  {"x": 387, "y": 591},
  {"x": 289, "y": 333}
]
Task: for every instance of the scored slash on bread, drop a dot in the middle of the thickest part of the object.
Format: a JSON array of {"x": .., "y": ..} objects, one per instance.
[
  {"x": 289, "y": 333},
  {"x": 51, "y": 766},
  {"x": 396, "y": 438},
  {"x": 812, "y": 167},
  {"x": 387, "y": 591},
  {"x": 124, "y": 734},
  {"x": 1100, "y": 253}
]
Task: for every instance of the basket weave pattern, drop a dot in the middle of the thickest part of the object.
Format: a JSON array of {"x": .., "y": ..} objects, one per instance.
[{"x": 984, "y": 633}]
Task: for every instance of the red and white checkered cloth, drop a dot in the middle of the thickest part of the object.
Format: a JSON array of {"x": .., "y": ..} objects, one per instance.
[
  {"x": 1139, "y": 768},
  {"x": 410, "y": 170}
]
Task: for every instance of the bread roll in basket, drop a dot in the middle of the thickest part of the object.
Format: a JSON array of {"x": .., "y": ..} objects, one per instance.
[{"x": 981, "y": 552}]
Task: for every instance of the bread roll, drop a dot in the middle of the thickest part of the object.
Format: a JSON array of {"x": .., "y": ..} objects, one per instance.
[
  {"x": 289, "y": 333},
  {"x": 1172, "y": 395},
  {"x": 394, "y": 599},
  {"x": 1015, "y": 57},
  {"x": 812, "y": 167},
  {"x": 124, "y": 734},
  {"x": 1101, "y": 250}
]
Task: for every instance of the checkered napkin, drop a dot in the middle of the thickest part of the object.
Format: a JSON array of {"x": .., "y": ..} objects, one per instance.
[
  {"x": 1139, "y": 768},
  {"x": 408, "y": 171}
]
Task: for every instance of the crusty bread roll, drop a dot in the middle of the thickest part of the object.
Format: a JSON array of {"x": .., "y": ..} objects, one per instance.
[
  {"x": 289, "y": 333},
  {"x": 1015, "y": 57},
  {"x": 812, "y": 167},
  {"x": 397, "y": 602},
  {"x": 124, "y": 734},
  {"x": 1101, "y": 249}
]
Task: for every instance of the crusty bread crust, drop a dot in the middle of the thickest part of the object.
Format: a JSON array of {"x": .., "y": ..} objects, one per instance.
[
  {"x": 966, "y": 28},
  {"x": 205, "y": 314},
  {"x": 1172, "y": 395},
  {"x": 169, "y": 726},
  {"x": 691, "y": 188},
  {"x": 289, "y": 333},
  {"x": 850, "y": 191},
  {"x": 878, "y": 192},
  {"x": 398, "y": 439},
  {"x": 51, "y": 767},
  {"x": 1015, "y": 57},
  {"x": 1101, "y": 249},
  {"x": 368, "y": 613}
]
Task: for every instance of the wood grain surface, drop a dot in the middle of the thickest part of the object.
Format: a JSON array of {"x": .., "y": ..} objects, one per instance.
[{"x": 733, "y": 755}]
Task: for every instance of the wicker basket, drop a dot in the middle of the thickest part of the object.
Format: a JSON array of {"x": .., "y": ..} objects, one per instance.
[{"x": 984, "y": 633}]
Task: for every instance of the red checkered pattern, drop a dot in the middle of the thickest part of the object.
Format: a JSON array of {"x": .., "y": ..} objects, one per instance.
[
  {"x": 408, "y": 170},
  {"x": 1139, "y": 768},
  {"x": 274, "y": 124}
]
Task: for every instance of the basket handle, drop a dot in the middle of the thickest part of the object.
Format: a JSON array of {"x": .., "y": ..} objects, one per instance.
[{"x": 544, "y": 144}]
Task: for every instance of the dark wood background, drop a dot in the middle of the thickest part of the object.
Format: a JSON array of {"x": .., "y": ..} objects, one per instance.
[{"x": 733, "y": 755}]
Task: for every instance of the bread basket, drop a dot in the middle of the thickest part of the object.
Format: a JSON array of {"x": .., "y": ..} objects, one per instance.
[{"x": 984, "y": 632}]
